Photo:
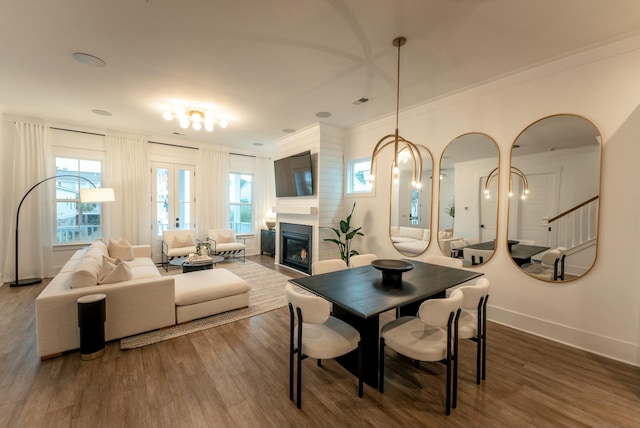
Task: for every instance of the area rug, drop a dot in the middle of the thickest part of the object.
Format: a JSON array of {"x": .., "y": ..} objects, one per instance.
[{"x": 266, "y": 294}]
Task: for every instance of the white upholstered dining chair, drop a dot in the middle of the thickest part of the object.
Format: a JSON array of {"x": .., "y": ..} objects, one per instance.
[
  {"x": 473, "y": 322},
  {"x": 436, "y": 259},
  {"x": 315, "y": 333},
  {"x": 362, "y": 260},
  {"x": 431, "y": 336},
  {"x": 325, "y": 266}
]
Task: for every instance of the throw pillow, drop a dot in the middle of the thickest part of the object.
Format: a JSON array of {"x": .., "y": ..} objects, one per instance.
[
  {"x": 121, "y": 272},
  {"x": 105, "y": 270},
  {"x": 108, "y": 264},
  {"x": 120, "y": 251},
  {"x": 185, "y": 241}
]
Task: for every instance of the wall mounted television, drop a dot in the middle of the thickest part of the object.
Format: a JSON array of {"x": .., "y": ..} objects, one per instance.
[{"x": 294, "y": 176}]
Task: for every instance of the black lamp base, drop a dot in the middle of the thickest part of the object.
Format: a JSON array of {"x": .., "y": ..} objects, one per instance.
[{"x": 28, "y": 281}]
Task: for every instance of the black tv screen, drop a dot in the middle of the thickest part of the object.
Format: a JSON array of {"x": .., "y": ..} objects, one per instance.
[{"x": 293, "y": 175}]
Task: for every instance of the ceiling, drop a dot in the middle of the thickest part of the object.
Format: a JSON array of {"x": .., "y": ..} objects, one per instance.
[{"x": 270, "y": 65}]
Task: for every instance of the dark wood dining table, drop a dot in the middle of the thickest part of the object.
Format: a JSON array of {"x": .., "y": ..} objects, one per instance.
[
  {"x": 359, "y": 296},
  {"x": 521, "y": 254}
]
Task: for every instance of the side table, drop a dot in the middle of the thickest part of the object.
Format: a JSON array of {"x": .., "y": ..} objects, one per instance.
[
  {"x": 268, "y": 242},
  {"x": 92, "y": 314}
]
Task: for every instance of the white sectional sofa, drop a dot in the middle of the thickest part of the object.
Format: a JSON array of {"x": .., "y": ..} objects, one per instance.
[{"x": 143, "y": 303}]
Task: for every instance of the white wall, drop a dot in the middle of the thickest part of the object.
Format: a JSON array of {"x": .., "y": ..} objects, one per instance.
[{"x": 601, "y": 311}]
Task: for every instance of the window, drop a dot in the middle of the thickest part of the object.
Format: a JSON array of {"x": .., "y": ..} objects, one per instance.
[
  {"x": 76, "y": 222},
  {"x": 358, "y": 171},
  {"x": 241, "y": 203}
]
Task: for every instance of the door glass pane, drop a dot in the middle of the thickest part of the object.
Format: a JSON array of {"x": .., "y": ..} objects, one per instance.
[
  {"x": 162, "y": 199},
  {"x": 184, "y": 192}
]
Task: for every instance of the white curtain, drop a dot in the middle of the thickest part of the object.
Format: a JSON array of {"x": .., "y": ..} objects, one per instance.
[
  {"x": 127, "y": 171},
  {"x": 212, "y": 190},
  {"x": 24, "y": 162},
  {"x": 264, "y": 190}
]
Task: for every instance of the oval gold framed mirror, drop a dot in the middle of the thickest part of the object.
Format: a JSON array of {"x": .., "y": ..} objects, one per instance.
[
  {"x": 410, "y": 217},
  {"x": 468, "y": 215},
  {"x": 555, "y": 194}
]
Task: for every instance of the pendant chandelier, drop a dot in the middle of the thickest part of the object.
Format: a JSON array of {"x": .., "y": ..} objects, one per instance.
[
  {"x": 403, "y": 149},
  {"x": 514, "y": 171}
]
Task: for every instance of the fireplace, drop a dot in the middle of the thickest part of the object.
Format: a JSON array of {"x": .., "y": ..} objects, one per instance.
[{"x": 295, "y": 246}]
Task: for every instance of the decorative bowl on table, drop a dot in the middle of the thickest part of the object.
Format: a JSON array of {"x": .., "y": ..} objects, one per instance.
[{"x": 392, "y": 270}]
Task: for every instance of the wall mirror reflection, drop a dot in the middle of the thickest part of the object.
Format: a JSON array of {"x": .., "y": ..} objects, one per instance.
[
  {"x": 554, "y": 206},
  {"x": 468, "y": 214},
  {"x": 410, "y": 219}
]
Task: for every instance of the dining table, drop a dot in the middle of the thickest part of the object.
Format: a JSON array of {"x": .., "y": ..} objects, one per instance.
[
  {"x": 520, "y": 253},
  {"x": 360, "y": 295}
]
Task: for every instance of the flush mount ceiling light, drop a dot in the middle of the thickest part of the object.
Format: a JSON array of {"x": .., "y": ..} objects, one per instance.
[
  {"x": 196, "y": 118},
  {"x": 102, "y": 112},
  {"x": 404, "y": 150}
]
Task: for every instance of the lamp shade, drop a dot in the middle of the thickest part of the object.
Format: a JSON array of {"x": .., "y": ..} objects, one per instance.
[{"x": 93, "y": 195}]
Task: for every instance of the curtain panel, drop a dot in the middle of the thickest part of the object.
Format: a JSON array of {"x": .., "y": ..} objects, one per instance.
[
  {"x": 212, "y": 191},
  {"x": 127, "y": 171},
  {"x": 24, "y": 161},
  {"x": 264, "y": 190}
]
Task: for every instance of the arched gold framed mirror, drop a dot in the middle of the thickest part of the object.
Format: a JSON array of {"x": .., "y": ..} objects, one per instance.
[
  {"x": 554, "y": 207},
  {"x": 410, "y": 217},
  {"x": 468, "y": 216}
]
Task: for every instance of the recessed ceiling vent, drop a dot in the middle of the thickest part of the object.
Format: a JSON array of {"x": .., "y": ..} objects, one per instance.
[{"x": 360, "y": 101}]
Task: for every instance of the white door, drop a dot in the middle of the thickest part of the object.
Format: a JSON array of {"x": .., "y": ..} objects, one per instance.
[
  {"x": 173, "y": 204},
  {"x": 488, "y": 210}
]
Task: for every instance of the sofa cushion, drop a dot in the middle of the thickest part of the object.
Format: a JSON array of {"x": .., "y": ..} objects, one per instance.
[
  {"x": 120, "y": 249},
  {"x": 85, "y": 273},
  {"x": 121, "y": 272},
  {"x": 412, "y": 232},
  {"x": 205, "y": 285},
  {"x": 94, "y": 253},
  {"x": 100, "y": 245}
]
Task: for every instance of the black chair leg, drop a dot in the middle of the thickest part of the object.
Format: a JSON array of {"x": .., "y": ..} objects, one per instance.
[
  {"x": 360, "y": 371},
  {"x": 455, "y": 357},
  {"x": 381, "y": 367},
  {"x": 479, "y": 341},
  {"x": 484, "y": 338},
  {"x": 291, "y": 351}
]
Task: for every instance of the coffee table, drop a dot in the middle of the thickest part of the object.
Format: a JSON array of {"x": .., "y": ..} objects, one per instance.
[{"x": 192, "y": 267}]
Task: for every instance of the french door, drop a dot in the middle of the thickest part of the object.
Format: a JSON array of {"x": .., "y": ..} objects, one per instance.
[{"x": 173, "y": 197}]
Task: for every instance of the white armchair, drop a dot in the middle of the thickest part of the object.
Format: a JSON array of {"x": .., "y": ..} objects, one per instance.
[
  {"x": 225, "y": 243},
  {"x": 177, "y": 243}
]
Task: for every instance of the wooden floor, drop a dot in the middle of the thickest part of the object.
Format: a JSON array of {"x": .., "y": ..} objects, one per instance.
[{"x": 237, "y": 375}]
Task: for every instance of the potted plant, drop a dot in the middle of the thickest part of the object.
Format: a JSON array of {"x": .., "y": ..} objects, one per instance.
[{"x": 344, "y": 236}]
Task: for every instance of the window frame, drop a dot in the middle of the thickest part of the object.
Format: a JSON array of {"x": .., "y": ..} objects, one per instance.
[
  {"x": 78, "y": 155},
  {"x": 250, "y": 204},
  {"x": 349, "y": 178}
]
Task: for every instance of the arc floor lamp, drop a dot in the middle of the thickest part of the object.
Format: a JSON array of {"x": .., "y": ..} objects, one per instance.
[{"x": 90, "y": 195}]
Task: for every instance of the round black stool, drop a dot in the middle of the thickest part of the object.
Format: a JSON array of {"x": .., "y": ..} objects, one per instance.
[{"x": 92, "y": 314}]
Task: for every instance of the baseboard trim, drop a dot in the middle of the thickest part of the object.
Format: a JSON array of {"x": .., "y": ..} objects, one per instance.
[{"x": 608, "y": 347}]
